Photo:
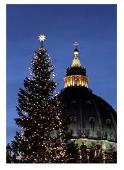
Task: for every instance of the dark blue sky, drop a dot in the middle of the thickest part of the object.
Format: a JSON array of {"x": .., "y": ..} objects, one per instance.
[{"x": 93, "y": 26}]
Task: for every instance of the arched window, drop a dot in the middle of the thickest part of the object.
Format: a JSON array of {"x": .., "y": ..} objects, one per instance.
[
  {"x": 108, "y": 123},
  {"x": 92, "y": 122}
]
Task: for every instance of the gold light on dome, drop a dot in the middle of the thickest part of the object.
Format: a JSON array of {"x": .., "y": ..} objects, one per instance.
[
  {"x": 42, "y": 38},
  {"x": 76, "y": 80},
  {"x": 76, "y": 62}
]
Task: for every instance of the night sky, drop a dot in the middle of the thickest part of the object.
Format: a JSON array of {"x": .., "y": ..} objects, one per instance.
[{"x": 92, "y": 26}]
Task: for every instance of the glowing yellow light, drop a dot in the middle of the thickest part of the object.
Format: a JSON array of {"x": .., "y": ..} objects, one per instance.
[
  {"x": 76, "y": 62},
  {"x": 75, "y": 80}
]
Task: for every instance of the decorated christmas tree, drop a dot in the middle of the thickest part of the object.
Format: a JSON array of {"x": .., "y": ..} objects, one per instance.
[
  {"x": 8, "y": 153},
  {"x": 41, "y": 138}
]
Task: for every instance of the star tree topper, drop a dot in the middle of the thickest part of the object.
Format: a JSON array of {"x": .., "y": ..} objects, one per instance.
[{"x": 42, "y": 38}]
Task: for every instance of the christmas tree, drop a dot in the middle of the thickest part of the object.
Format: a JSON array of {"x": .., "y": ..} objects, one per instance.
[
  {"x": 41, "y": 138},
  {"x": 8, "y": 153}
]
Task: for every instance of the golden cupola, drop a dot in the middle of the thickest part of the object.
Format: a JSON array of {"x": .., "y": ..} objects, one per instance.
[{"x": 76, "y": 74}]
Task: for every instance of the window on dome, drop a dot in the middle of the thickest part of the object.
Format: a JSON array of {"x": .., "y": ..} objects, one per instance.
[
  {"x": 92, "y": 122},
  {"x": 108, "y": 123}
]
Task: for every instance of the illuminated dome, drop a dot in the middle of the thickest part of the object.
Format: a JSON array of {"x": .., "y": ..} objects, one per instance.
[
  {"x": 94, "y": 120},
  {"x": 76, "y": 74}
]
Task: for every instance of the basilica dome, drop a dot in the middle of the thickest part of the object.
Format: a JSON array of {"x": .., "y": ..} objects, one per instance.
[{"x": 93, "y": 118}]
